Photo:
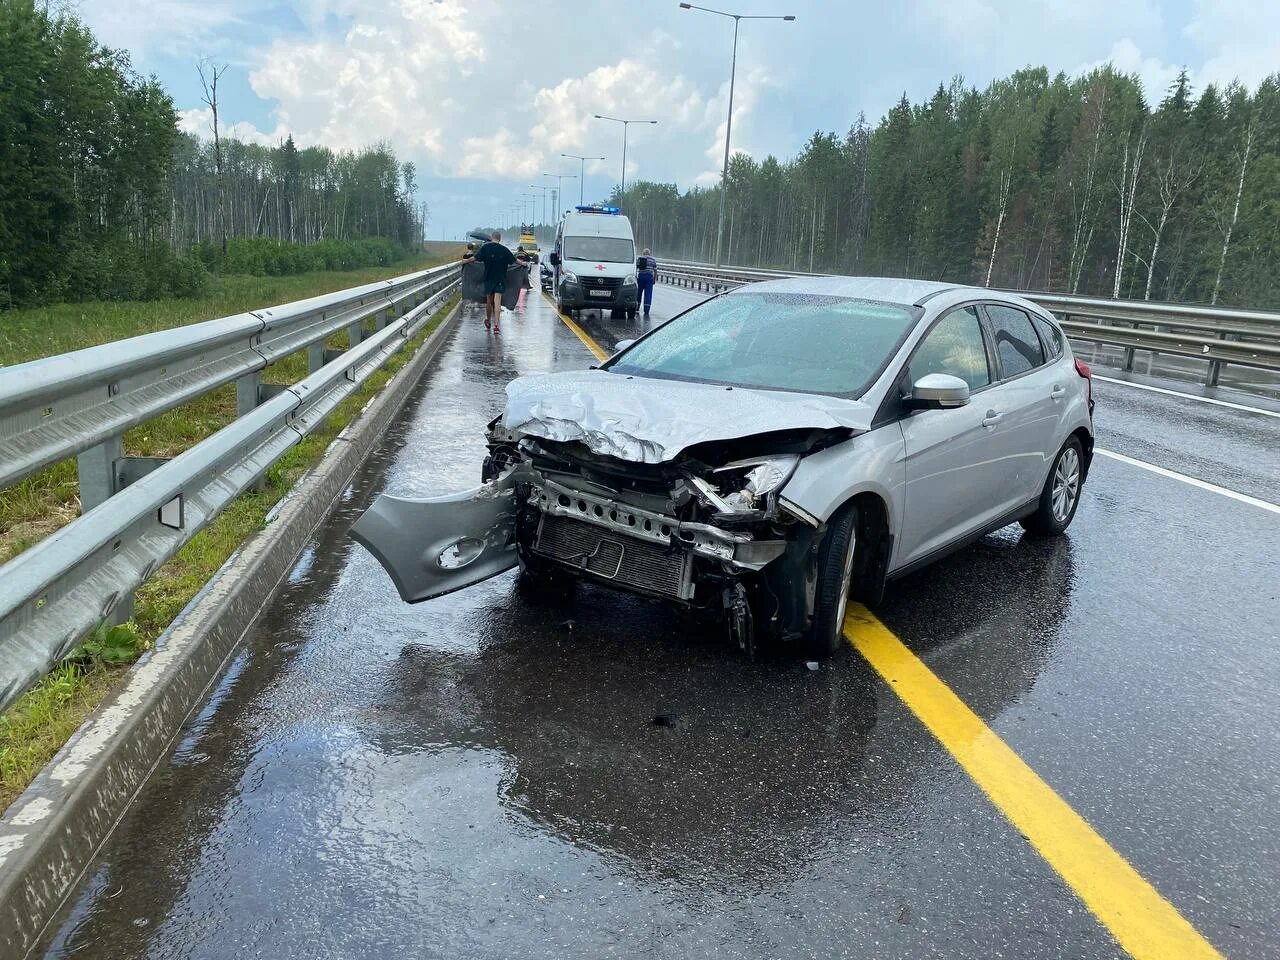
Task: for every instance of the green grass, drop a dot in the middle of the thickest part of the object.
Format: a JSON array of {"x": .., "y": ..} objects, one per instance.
[
  {"x": 35, "y": 727},
  {"x": 40, "y": 504}
]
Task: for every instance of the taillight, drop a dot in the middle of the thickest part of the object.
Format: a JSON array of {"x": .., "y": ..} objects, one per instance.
[{"x": 1082, "y": 368}]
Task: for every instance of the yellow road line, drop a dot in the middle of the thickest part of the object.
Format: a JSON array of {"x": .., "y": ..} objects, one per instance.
[
  {"x": 582, "y": 334},
  {"x": 1143, "y": 922}
]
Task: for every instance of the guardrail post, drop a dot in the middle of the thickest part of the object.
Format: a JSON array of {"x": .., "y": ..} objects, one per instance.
[
  {"x": 248, "y": 396},
  {"x": 1215, "y": 366},
  {"x": 355, "y": 333},
  {"x": 96, "y": 469},
  {"x": 97, "y": 472},
  {"x": 315, "y": 356}
]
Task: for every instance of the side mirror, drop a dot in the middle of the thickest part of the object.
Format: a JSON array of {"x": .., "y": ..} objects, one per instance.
[
  {"x": 622, "y": 345},
  {"x": 939, "y": 391},
  {"x": 555, "y": 259}
]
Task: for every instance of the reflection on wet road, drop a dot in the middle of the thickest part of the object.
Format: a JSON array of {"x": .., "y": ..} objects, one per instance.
[{"x": 494, "y": 775}]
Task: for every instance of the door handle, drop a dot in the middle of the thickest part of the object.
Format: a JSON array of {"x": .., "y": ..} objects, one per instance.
[
  {"x": 1057, "y": 391},
  {"x": 992, "y": 417}
]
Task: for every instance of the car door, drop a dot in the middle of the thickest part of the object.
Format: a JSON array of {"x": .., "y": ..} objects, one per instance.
[
  {"x": 437, "y": 545},
  {"x": 1025, "y": 401},
  {"x": 953, "y": 474}
]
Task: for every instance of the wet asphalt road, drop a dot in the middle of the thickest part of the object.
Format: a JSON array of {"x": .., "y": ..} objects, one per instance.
[{"x": 485, "y": 775}]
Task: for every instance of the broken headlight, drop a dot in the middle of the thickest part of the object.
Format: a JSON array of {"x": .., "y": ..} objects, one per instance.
[{"x": 746, "y": 485}]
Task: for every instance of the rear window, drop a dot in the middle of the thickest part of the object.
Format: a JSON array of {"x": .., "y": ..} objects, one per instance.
[
  {"x": 778, "y": 341},
  {"x": 1017, "y": 344},
  {"x": 1050, "y": 335}
]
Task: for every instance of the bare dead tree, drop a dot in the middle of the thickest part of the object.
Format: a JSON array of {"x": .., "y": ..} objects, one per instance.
[
  {"x": 1006, "y": 176},
  {"x": 1130, "y": 172},
  {"x": 210, "y": 72},
  {"x": 1228, "y": 225},
  {"x": 1174, "y": 176},
  {"x": 1084, "y": 202}
]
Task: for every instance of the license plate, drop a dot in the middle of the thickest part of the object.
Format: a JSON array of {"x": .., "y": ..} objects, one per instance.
[{"x": 600, "y": 293}]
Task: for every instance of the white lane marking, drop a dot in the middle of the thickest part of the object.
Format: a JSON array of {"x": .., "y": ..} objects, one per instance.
[
  {"x": 1189, "y": 396},
  {"x": 1202, "y": 484}
]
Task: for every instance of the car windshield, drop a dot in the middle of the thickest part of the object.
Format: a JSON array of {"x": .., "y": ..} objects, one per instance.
[
  {"x": 776, "y": 341},
  {"x": 604, "y": 249}
]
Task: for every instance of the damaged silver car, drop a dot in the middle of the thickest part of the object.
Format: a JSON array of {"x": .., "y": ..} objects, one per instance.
[{"x": 767, "y": 454}]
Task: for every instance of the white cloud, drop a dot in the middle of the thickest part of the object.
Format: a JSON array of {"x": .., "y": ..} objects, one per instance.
[
  {"x": 462, "y": 102},
  {"x": 1239, "y": 39},
  {"x": 1154, "y": 74},
  {"x": 631, "y": 89},
  {"x": 746, "y": 94},
  {"x": 389, "y": 76},
  {"x": 199, "y": 121},
  {"x": 191, "y": 27},
  {"x": 1008, "y": 34}
]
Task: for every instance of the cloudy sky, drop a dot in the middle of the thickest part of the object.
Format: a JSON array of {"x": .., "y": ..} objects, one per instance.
[{"x": 486, "y": 95}]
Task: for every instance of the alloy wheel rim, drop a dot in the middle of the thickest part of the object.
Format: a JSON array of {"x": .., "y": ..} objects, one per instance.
[
  {"x": 1066, "y": 484},
  {"x": 844, "y": 588}
]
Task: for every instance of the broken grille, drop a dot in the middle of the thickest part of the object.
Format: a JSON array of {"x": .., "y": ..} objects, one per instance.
[{"x": 622, "y": 559}]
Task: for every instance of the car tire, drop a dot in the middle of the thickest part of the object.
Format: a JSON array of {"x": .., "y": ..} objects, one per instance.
[
  {"x": 631, "y": 314},
  {"x": 1061, "y": 494},
  {"x": 831, "y": 590}
]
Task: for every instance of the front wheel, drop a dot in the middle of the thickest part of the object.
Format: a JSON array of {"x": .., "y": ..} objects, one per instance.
[
  {"x": 1061, "y": 493},
  {"x": 831, "y": 593}
]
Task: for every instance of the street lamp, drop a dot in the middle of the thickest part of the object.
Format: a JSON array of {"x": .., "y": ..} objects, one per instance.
[
  {"x": 625, "y": 124},
  {"x": 558, "y": 196},
  {"x": 733, "y": 69},
  {"x": 582, "y": 170},
  {"x": 543, "y": 187}
]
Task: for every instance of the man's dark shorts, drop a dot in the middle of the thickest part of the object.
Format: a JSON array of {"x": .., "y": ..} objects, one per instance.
[{"x": 495, "y": 286}]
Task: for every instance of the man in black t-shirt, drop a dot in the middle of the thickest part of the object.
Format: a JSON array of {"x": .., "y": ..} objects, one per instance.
[{"x": 496, "y": 258}]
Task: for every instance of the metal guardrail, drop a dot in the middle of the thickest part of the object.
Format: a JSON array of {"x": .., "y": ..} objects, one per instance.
[
  {"x": 1218, "y": 335},
  {"x": 137, "y": 512}
]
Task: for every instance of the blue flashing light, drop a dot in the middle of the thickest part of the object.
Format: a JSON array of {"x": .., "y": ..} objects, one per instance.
[{"x": 596, "y": 208}]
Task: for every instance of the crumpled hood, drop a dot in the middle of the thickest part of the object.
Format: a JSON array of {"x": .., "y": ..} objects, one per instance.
[{"x": 650, "y": 421}]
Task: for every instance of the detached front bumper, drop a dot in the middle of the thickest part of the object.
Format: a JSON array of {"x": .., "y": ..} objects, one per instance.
[{"x": 636, "y": 548}]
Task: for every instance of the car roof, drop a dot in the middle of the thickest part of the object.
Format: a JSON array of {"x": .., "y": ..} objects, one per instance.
[
  {"x": 884, "y": 289},
  {"x": 597, "y": 225}
]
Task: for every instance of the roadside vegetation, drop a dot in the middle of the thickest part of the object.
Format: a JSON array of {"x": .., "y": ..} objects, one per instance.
[
  {"x": 34, "y": 728},
  {"x": 1040, "y": 181},
  {"x": 102, "y": 197},
  {"x": 114, "y": 223}
]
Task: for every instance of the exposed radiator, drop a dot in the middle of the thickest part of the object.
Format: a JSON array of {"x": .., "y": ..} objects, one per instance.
[{"x": 614, "y": 556}]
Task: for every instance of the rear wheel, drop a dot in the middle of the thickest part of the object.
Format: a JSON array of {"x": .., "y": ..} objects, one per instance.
[
  {"x": 1061, "y": 493},
  {"x": 831, "y": 593}
]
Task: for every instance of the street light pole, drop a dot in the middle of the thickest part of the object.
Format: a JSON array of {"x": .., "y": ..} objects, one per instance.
[
  {"x": 560, "y": 177},
  {"x": 544, "y": 187},
  {"x": 728, "y": 128},
  {"x": 582, "y": 170},
  {"x": 625, "y": 124}
]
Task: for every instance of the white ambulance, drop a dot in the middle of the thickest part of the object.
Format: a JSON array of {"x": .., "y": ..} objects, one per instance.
[{"x": 595, "y": 262}]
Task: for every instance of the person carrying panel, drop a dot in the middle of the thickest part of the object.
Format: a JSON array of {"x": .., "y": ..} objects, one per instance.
[{"x": 496, "y": 258}]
